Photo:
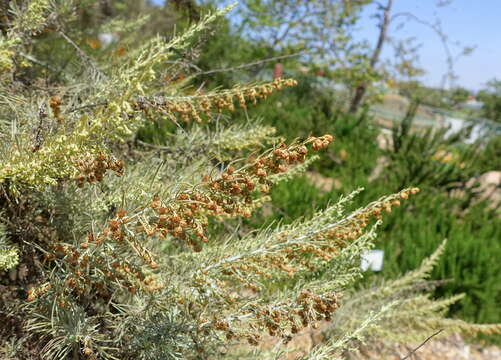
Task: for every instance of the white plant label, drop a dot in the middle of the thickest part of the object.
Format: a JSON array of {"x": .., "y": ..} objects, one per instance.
[{"x": 372, "y": 260}]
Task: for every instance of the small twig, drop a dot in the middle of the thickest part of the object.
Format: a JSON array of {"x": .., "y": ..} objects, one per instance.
[
  {"x": 38, "y": 137},
  {"x": 188, "y": 64},
  {"x": 36, "y": 61},
  {"x": 243, "y": 66},
  {"x": 81, "y": 53},
  {"x": 422, "y": 344},
  {"x": 103, "y": 103},
  {"x": 158, "y": 147}
]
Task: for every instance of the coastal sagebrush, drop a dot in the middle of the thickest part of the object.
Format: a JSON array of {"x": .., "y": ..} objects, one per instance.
[{"x": 113, "y": 248}]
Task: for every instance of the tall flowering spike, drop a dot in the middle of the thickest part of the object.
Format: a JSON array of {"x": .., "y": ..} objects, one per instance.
[
  {"x": 233, "y": 192},
  {"x": 291, "y": 252},
  {"x": 194, "y": 106}
]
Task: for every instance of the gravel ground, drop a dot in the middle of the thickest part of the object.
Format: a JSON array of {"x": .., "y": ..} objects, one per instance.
[{"x": 450, "y": 348}]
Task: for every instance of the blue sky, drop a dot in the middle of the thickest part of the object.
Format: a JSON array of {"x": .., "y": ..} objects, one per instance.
[{"x": 471, "y": 22}]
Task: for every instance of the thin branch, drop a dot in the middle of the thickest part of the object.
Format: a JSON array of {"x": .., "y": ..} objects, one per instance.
[
  {"x": 189, "y": 153},
  {"x": 451, "y": 60},
  {"x": 255, "y": 63},
  {"x": 157, "y": 147},
  {"x": 81, "y": 53},
  {"x": 422, "y": 344},
  {"x": 295, "y": 241},
  {"x": 103, "y": 103},
  {"x": 185, "y": 63},
  {"x": 38, "y": 138},
  {"x": 36, "y": 61}
]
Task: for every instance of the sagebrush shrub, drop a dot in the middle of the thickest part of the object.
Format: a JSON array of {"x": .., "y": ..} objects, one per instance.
[{"x": 112, "y": 248}]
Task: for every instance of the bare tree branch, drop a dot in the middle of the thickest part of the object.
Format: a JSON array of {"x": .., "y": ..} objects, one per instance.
[
  {"x": 408, "y": 356},
  {"x": 252, "y": 64},
  {"x": 436, "y": 27},
  {"x": 81, "y": 53}
]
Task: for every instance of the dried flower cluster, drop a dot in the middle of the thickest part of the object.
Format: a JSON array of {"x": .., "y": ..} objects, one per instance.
[
  {"x": 289, "y": 254},
  {"x": 286, "y": 253},
  {"x": 92, "y": 170},
  {"x": 293, "y": 316},
  {"x": 283, "y": 319},
  {"x": 55, "y": 105},
  {"x": 230, "y": 193},
  {"x": 353, "y": 228},
  {"x": 94, "y": 269},
  {"x": 191, "y": 107}
]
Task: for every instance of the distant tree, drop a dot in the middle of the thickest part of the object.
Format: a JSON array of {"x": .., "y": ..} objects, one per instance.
[
  {"x": 322, "y": 29},
  {"x": 384, "y": 16},
  {"x": 189, "y": 7},
  {"x": 459, "y": 95},
  {"x": 326, "y": 30},
  {"x": 406, "y": 52},
  {"x": 491, "y": 97}
]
